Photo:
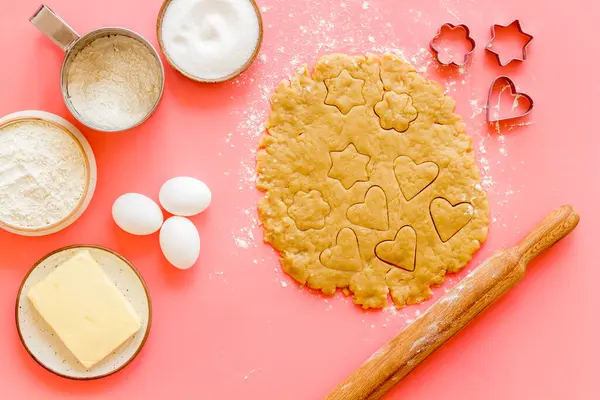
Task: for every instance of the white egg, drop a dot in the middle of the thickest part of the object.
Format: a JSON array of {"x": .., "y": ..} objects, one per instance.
[
  {"x": 180, "y": 242},
  {"x": 137, "y": 214},
  {"x": 184, "y": 196}
]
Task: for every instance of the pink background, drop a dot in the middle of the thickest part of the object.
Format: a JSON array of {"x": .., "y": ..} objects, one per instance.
[{"x": 235, "y": 326}]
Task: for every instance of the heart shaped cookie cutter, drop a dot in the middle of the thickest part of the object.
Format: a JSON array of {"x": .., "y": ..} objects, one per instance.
[
  {"x": 436, "y": 50},
  {"x": 513, "y": 91}
]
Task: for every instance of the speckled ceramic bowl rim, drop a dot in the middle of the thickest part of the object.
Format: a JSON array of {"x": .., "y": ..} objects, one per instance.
[
  {"x": 244, "y": 67},
  {"x": 133, "y": 268},
  {"x": 88, "y": 176}
]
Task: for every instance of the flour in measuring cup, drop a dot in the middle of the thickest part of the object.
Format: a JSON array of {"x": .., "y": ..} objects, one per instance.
[{"x": 114, "y": 82}]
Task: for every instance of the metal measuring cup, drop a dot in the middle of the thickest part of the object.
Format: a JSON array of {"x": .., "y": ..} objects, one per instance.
[{"x": 55, "y": 28}]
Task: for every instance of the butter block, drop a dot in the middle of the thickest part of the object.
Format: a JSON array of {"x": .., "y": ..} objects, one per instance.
[{"x": 85, "y": 309}]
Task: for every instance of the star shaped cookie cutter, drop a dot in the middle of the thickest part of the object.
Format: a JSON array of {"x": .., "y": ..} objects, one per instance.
[
  {"x": 436, "y": 49},
  {"x": 515, "y": 25}
]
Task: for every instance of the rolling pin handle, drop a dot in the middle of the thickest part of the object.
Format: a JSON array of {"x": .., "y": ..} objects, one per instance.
[{"x": 550, "y": 230}]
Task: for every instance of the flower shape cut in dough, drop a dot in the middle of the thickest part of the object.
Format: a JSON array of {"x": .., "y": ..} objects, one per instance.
[
  {"x": 309, "y": 210},
  {"x": 396, "y": 111}
]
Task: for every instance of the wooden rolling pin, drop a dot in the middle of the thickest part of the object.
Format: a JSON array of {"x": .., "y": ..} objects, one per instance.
[{"x": 454, "y": 311}]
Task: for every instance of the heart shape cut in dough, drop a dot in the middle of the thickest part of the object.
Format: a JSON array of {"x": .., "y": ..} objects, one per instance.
[
  {"x": 413, "y": 178},
  {"x": 449, "y": 218},
  {"x": 400, "y": 252},
  {"x": 345, "y": 255},
  {"x": 371, "y": 213},
  {"x": 500, "y": 99}
]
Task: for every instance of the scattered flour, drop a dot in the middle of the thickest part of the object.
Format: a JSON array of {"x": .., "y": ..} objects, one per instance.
[
  {"x": 253, "y": 371},
  {"x": 451, "y": 297},
  {"x": 244, "y": 238},
  {"x": 323, "y": 27}
]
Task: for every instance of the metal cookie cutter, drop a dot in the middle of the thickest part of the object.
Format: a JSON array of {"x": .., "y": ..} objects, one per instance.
[
  {"x": 513, "y": 90},
  {"x": 514, "y": 26},
  {"x": 436, "y": 50},
  {"x": 53, "y": 26}
]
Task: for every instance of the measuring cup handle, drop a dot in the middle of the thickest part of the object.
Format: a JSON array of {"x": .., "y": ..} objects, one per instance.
[{"x": 53, "y": 26}]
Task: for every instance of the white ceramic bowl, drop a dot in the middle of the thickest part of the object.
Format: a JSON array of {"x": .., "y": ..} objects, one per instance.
[
  {"x": 161, "y": 45},
  {"x": 90, "y": 162}
]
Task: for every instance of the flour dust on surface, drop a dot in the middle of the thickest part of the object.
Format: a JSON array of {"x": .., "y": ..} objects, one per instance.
[{"x": 324, "y": 27}]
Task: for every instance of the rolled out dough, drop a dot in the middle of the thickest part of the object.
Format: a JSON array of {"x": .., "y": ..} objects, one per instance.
[{"x": 371, "y": 183}]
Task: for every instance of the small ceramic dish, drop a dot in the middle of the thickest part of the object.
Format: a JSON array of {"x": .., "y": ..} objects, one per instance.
[
  {"x": 48, "y": 350},
  {"x": 161, "y": 45},
  {"x": 90, "y": 163}
]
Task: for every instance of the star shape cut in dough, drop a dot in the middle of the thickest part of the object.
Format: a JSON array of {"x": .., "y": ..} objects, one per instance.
[
  {"x": 344, "y": 92},
  {"x": 349, "y": 166}
]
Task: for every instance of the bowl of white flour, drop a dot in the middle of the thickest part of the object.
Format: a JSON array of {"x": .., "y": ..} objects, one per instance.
[
  {"x": 47, "y": 173},
  {"x": 111, "y": 79}
]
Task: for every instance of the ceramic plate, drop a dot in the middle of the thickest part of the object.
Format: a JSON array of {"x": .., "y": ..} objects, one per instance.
[{"x": 45, "y": 346}]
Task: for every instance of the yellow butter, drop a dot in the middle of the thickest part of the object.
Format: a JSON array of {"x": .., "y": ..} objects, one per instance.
[{"x": 85, "y": 309}]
